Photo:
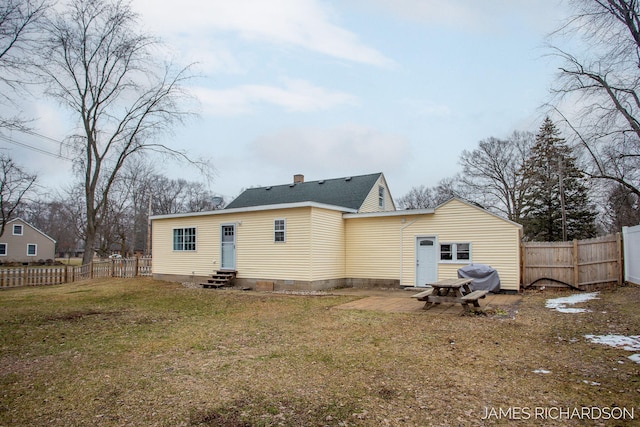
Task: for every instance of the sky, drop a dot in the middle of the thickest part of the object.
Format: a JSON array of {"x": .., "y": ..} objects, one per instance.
[{"x": 329, "y": 88}]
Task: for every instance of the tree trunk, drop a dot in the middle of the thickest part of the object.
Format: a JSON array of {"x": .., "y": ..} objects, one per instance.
[{"x": 90, "y": 236}]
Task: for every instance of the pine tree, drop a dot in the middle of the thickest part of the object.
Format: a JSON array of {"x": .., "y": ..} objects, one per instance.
[{"x": 557, "y": 205}]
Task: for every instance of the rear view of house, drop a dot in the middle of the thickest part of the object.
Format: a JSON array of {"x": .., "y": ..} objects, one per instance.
[
  {"x": 331, "y": 233},
  {"x": 22, "y": 242}
]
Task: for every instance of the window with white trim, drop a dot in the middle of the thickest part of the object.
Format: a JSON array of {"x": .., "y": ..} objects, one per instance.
[
  {"x": 3, "y": 249},
  {"x": 17, "y": 230},
  {"x": 381, "y": 197},
  {"x": 32, "y": 249},
  {"x": 184, "y": 239},
  {"x": 279, "y": 230},
  {"x": 455, "y": 252}
]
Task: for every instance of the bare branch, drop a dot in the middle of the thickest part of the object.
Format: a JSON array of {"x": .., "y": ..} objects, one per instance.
[
  {"x": 100, "y": 67},
  {"x": 15, "y": 184},
  {"x": 601, "y": 84}
]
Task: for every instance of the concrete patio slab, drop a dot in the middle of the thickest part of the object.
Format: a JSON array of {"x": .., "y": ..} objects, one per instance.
[{"x": 400, "y": 301}]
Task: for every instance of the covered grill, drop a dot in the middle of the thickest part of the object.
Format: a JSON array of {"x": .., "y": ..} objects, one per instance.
[{"x": 484, "y": 277}]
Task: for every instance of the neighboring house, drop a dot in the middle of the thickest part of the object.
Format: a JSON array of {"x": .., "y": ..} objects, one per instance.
[
  {"x": 22, "y": 242},
  {"x": 332, "y": 233}
]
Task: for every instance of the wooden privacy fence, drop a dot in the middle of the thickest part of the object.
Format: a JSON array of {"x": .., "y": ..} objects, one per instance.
[
  {"x": 36, "y": 276},
  {"x": 582, "y": 264}
]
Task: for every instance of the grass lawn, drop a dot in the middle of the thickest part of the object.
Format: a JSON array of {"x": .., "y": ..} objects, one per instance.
[{"x": 139, "y": 352}]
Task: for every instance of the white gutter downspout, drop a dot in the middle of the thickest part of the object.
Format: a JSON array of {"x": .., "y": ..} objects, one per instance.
[{"x": 401, "y": 239}]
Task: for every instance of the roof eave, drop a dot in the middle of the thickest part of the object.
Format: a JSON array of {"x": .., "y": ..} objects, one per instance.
[
  {"x": 257, "y": 209},
  {"x": 407, "y": 212}
]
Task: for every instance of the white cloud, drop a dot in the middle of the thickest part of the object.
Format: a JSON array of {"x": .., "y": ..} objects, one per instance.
[
  {"x": 473, "y": 15},
  {"x": 327, "y": 153},
  {"x": 294, "y": 96},
  {"x": 302, "y": 23}
]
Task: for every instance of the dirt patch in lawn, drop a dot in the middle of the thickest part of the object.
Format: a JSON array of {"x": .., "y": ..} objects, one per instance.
[{"x": 143, "y": 352}]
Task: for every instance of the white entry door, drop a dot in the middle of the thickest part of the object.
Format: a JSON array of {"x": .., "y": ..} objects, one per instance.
[
  {"x": 426, "y": 261},
  {"x": 228, "y": 247}
]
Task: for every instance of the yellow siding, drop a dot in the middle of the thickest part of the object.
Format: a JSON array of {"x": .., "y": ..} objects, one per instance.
[
  {"x": 494, "y": 241},
  {"x": 257, "y": 255},
  {"x": 372, "y": 202},
  {"x": 199, "y": 262},
  {"x": 328, "y": 245},
  {"x": 374, "y": 244},
  {"x": 373, "y": 247},
  {"x": 322, "y": 245},
  {"x": 300, "y": 257}
]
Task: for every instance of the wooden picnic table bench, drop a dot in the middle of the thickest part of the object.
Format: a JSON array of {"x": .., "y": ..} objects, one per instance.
[
  {"x": 422, "y": 296},
  {"x": 457, "y": 291}
]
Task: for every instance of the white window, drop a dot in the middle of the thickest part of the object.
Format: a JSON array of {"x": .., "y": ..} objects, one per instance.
[
  {"x": 184, "y": 239},
  {"x": 32, "y": 249},
  {"x": 3, "y": 249},
  {"x": 17, "y": 230},
  {"x": 381, "y": 197},
  {"x": 279, "y": 230},
  {"x": 455, "y": 252}
]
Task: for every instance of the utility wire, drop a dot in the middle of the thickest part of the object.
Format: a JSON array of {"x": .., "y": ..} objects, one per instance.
[
  {"x": 39, "y": 150},
  {"x": 48, "y": 138}
]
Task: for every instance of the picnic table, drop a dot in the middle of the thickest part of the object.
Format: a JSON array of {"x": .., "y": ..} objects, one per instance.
[{"x": 457, "y": 291}]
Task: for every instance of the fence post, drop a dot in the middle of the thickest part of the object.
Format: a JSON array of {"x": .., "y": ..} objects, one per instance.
[
  {"x": 25, "y": 276},
  {"x": 137, "y": 272},
  {"x": 521, "y": 253},
  {"x": 620, "y": 259},
  {"x": 576, "y": 266}
]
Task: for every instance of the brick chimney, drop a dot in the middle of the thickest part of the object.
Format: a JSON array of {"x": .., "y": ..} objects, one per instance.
[{"x": 298, "y": 178}]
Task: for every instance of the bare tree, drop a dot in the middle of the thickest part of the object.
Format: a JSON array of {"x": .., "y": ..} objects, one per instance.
[
  {"x": 52, "y": 216},
  {"x": 604, "y": 78},
  {"x": 19, "y": 29},
  {"x": 138, "y": 192},
  {"x": 98, "y": 65},
  {"x": 170, "y": 196},
  {"x": 418, "y": 198},
  {"x": 422, "y": 197},
  {"x": 492, "y": 173},
  {"x": 15, "y": 185}
]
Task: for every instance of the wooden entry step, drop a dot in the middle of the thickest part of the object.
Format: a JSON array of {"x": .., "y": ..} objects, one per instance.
[{"x": 221, "y": 279}]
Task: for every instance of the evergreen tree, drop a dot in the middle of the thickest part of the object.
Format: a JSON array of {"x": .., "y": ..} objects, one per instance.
[{"x": 557, "y": 203}]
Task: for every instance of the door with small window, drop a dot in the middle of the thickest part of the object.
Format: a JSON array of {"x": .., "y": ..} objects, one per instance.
[
  {"x": 426, "y": 261},
  {"x": 228, "y": 247}
]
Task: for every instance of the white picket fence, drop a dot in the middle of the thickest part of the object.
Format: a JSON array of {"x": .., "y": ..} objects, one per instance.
[{"x": 631, "y": 238}]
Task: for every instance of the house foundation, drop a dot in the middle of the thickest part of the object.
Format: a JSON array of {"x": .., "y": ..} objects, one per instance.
[{"x": 261, "y": 284}]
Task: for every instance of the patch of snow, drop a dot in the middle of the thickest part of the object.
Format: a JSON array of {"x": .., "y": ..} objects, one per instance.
[
  {"x": 541, "y": 371},
  {"x": 635, "y": 358},
  {"x": 590, "y": 382},
  {"x": 631, "y": 343},
  {"x": 560, "y": 304}
]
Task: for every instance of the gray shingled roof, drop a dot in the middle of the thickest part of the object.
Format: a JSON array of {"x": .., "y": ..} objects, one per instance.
[{"x": 347, "y": 192}]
